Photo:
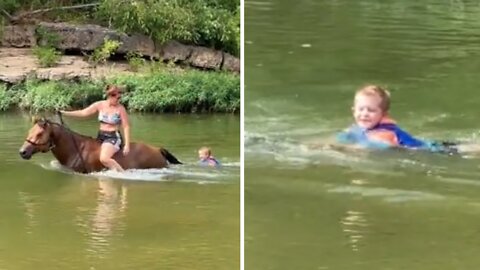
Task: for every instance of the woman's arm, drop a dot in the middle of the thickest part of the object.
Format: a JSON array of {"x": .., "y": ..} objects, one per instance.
[
  {"x": 126, "y": 126},
  {"x": 85, "y": 112}
]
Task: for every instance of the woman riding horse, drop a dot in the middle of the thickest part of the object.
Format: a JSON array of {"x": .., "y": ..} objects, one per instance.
[
  {"x": 82, "y": 153},
  {"x": 111, "y": 115}
]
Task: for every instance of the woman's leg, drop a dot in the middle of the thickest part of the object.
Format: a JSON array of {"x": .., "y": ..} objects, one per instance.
[{"x": 106, "y": 153}]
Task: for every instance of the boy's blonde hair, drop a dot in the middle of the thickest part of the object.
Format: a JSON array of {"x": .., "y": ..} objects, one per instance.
[
  {"x": 375, "y": 90},
  {"x": 205, "y": 150}
]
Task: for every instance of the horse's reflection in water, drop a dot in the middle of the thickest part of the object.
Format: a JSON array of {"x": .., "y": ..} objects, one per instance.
[
  {"x": 100, "y": 224},
  {"x": 108, "y": 218},
  {"x": 82, "y": 153}
]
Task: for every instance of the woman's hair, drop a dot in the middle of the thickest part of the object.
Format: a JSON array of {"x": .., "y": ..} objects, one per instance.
[
  {"x": 111, "y": 89},
  {"x": 375, "y": 90}
]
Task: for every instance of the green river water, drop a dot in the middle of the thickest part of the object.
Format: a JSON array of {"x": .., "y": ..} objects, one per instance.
[
  {"x": 184, "y": 217},
  {"x": 335, "y": 209}
]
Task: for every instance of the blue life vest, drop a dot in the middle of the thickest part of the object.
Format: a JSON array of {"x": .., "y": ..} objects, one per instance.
[
  {"x": 358, "y": 135},
  {"x": 403, "y": 137},
  {"x": 209, "y": 161}
]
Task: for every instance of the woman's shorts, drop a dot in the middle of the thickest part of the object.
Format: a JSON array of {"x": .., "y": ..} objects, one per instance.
[{"x": 111, "y": 137}]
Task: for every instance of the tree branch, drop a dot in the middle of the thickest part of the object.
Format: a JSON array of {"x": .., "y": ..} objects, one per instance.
[
  {"x": 61, "y": 8},
  {"x": 26, "y": 14},
  {"x": 6, "y": 13}
]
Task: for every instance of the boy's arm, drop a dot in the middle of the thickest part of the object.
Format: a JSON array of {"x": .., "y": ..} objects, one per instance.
[
  {"x": 384, "y": 136},
  {"x": 345, "y": 137}
]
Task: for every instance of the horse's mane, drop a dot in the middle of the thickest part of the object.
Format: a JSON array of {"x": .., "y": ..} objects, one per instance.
[{"x": 63, "y": 127}]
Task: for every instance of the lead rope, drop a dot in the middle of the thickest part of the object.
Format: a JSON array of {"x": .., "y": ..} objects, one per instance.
[{"x": 74, "y": 143}]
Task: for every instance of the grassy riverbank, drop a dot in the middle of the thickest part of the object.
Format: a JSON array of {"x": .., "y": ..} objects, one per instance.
[{"x": 188, "y": 91}]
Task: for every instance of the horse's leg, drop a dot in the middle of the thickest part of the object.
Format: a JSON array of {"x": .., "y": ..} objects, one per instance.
[{"x": 106, "y": 153}]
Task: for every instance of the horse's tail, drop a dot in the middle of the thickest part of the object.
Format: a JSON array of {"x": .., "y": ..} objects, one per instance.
[{"x": 170, "y": 158}]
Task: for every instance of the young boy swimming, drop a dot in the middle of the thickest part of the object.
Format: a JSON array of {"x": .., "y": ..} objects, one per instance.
[
  {"x": 374, "y": 128},
  {"x": 206, "y": 158}
]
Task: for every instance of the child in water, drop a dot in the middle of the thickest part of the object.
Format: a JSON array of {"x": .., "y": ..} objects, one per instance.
[
  {"x": 206, "y": 158},
  {"x": 374, "y": 128}
]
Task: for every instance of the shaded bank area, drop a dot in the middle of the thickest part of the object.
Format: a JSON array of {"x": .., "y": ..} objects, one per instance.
[{"x": 169, "y": 90}]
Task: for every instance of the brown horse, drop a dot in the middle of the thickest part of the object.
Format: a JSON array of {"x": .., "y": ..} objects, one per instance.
[{"x": 82, "y": 153}]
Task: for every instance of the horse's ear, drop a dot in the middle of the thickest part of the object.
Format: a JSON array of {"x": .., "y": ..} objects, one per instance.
[
  {"x": 43, "y": 122},
  {"x": 34, "y": 119}
]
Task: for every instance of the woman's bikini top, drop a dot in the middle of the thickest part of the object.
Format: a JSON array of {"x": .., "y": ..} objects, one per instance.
[{"x": 112, "y": 119}]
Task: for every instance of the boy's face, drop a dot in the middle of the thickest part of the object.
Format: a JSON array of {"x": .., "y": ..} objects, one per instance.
[
  {"x": 202, "y": 155},
  {"x": 366, "y": 110}
]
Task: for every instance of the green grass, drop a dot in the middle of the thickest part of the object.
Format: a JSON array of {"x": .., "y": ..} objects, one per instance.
[
  {"x": 8, "y": 97},
  {"x": 188, "y": 91}
]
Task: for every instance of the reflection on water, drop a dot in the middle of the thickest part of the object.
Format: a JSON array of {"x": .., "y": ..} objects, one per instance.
[
  {"x": 108, "y": 217},
  {"x": 29, "y": 205},
  {"x": 353, "y": 225}
]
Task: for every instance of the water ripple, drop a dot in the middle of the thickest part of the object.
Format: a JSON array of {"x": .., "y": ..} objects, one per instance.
[{"x": 389, "y": 195}]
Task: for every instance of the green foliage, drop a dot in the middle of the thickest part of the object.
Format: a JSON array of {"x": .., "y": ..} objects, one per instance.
[
  {"x": 218, "y": 28},
  {"x": 163, "y": 20},
  {"x": 53, "y": 95},
  {"x": 46, "y": 53},
  {"x": 102, "y": 53},
  {"x": 2, "y": 27},
  {"x": 204, "y": 22},
  {"x": 10, "y": 5},
  {"x": 214, "y": 23},
  {"x": 185, "y": 91},
  {"x": 47, "y": 38},
  {"x": 135, "y": 61},
  {"x": 191, "y": 91},
  {"x": 8, "y": 98},
  {"x": 230, "y": 5},
  {"x": 47, "y": 56},
  {"x": 44, "y": 96}
]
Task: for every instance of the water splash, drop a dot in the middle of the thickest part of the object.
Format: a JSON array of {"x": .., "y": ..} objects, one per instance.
[{"x": 183, "y": 173}]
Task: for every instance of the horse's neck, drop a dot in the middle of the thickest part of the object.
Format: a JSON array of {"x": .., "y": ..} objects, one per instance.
[{"x": 65, "y": 150}]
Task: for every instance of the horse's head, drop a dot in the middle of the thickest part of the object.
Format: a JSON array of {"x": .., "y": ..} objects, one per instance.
[{"x": 39, "y": 138}]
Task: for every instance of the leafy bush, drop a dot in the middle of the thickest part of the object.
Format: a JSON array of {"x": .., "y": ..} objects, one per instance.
[
  {"x": 214, "y": 23},
  {"x": 2, "y": 27},
  {"x": 8, "y": 98},
  {"x": 218, "y": 28},
  {"x": 47, "y": 38},
  {"x": 46, "y": 53},
  {"x": 10, "y": 5},
  {"x": 204, "y": 22},
  {"x": 102, "y": 53},
  {"x": 52, "y": 95},
  {"x": 46, "y": 56},
  {"x": 187, "y": 91},
  {"x": 191, "y": 91},
  {"x": 135, "y": 61}
]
